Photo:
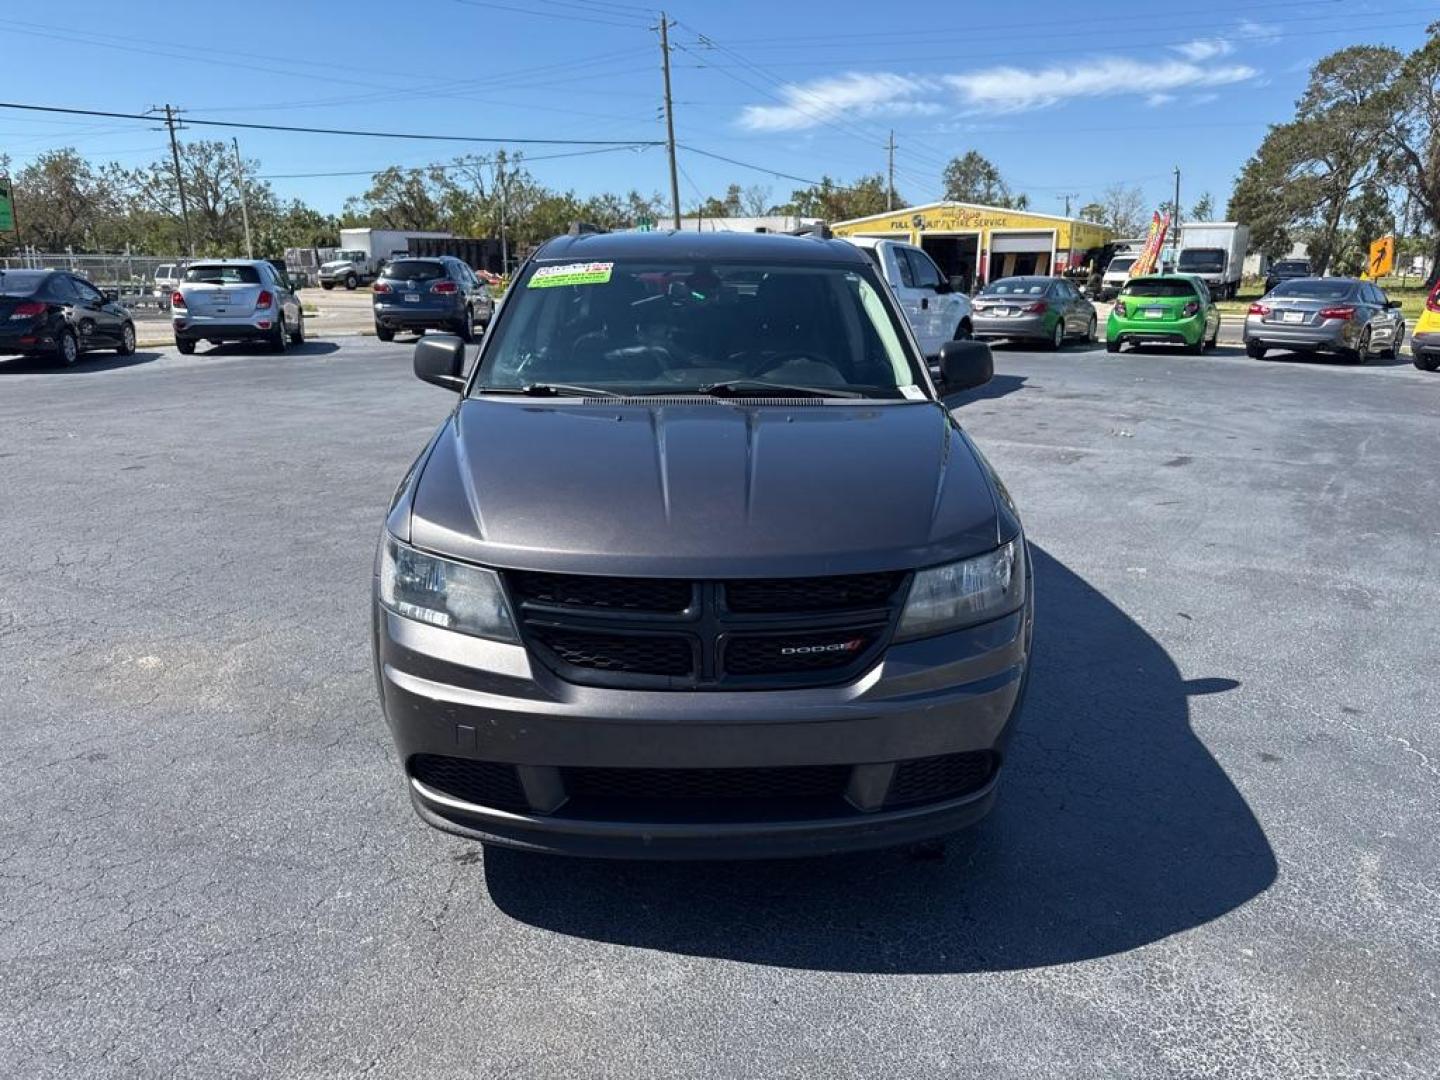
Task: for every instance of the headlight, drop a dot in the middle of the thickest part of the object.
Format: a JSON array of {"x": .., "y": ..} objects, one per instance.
[
  {"x": 964, "y": 593},
  {"x": 467, "y": 599}
]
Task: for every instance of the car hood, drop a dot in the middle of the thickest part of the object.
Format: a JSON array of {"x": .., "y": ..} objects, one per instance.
[{"x": 703, "y": 489}]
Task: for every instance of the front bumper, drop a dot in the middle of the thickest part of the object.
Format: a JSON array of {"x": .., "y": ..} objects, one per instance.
[
  {"x": 1155, "y": 331},
  {"x": 943, "y": 703},
  {"x": 999, "y": 327}
]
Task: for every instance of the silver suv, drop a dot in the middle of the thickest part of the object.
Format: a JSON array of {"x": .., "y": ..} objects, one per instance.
[{"x": 236, "y": 300}]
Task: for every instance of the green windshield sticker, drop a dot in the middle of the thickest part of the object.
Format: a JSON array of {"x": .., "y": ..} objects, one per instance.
[{"x": 549, "y": 277}]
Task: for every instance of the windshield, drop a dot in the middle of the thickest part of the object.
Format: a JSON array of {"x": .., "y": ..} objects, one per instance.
[
  {"x": 21, "y": 282},
  {"x": 1292, "y": 268},
  {"x": 1315, "y": 289},
  {"x": 1159, "y": 287},
  {"x": 414, "y": 270},
  {"x": 223, "y": 275},
  {"x": 1120, "y": 263},
  {"x": 684, "y": 327},
  {"x": 1202, "y": 260},
  {"x": 1017, "y": 287}
]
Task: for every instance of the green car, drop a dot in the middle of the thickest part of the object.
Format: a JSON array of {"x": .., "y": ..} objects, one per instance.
[{"x": 1164, "y": 309}]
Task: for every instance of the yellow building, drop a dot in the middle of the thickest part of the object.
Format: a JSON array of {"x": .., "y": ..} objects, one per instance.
[{"x": 967, "y": 240}]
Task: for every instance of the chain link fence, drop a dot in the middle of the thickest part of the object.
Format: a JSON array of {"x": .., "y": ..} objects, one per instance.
[{"x": 132, "y": 277}]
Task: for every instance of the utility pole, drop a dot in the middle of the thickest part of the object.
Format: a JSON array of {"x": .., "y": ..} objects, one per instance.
[
  {"x": 890, "y": 187},
  {"x": 1174, "y": 223},
  {"x": 500, "y": 187},
  {"x": 669, "y": 120},
  {"x": 1066, "y": 199},
  {"x": 244, "y": 199},
  {"x": 170, "y": 114}
]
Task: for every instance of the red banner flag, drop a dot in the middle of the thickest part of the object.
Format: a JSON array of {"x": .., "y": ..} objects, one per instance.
[{"x": 1154, "y": 241}]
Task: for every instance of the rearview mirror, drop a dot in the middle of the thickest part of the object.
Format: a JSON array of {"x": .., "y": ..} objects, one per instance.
[
  {"x": 440, "y": 360},
  {"x": 965, "y": 364}
]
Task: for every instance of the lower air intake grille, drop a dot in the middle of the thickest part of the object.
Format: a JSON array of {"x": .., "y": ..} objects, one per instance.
[
  {"x": 797, "y": 782},
  {"x": 935, "y": 778},
  {"x": 484, "y": 783}
]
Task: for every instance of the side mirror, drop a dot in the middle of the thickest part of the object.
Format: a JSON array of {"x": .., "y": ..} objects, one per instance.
[
  {"x": 965, "y": 364},
  {"x": 942, "y": 287},
  {"x": 440, "y": 360},
  {"x": 111, "y": 295}
]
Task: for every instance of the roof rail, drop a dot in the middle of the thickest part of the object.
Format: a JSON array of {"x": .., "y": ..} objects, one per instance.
[
  {"x": 819, "y": 230},
  {"x": 583, "y": 228}
]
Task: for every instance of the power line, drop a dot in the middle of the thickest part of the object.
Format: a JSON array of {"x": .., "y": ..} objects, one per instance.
[
  {"x": 487, "y": 5},
  {"x": 519, "y": 161},
  {"x": 424, "y": 137},
  {"x": 764, "y": 169}
]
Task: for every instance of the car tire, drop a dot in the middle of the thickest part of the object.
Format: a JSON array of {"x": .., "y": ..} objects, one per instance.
[
  {"x": 964, "y": 332},
  {"x": 350, "y": 282},
  {"x": 1112, "y": 346},
  {"x": 1092, "y": 332},
  {"x": 67, "y": 348},
  {"x": 1393, "y": 352},
  {"x": 184, "y": 347},
  {"x": 1057, "y": 338},
  {"x": 1198, "y": 348},
  {"x": 1255, "y": 350},
  {"x": 327, "y": 285},
  {"x": 465, "y": 327},
  {"x": 297, "y": 337},
  {"x": 127, "y": 340},
  {"x": 384, "y": 333},
  {"x": 1214, "y": 339},
  {"x": 1425, "y": 361},
  {"x": 279, "y": 336},
  {"x": 1361, "y": 352}
]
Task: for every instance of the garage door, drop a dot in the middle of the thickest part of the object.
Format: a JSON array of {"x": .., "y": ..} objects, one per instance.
[{"x": 1007, "y": 243}]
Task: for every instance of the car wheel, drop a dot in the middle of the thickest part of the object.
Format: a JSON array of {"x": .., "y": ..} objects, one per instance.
[
  {"x": 1057, "y": 338},
  {"x": 183, "y": 347},
  {"x": 465, "y": 326},
  {"x": 327, "y": 285},
  {"x": 1255, "y": 350},
  {"x": 1361, "y": 352},
  {"x": 1198, "y": 347},
  {"x": 1214, "y": 338},
  {"x": 298, "y": 337},
  {"x": 1112, "y": 346},
  {"x": 67, "y": 348},
  {"x": 964, "y": 332},
  {"x": 1093, "y": 330},
  {"x": 350, "y": 282},
  {"x": 279, "y": 338},
  {"x": 1426, "y": 361},
  {"x": 127, "y": 340},
  {"x": 384, "y": 333},
  {"x": 1393, "y": 352}
]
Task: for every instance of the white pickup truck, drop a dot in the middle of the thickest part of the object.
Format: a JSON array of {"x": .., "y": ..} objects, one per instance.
[{"x": 936, "y": 313}]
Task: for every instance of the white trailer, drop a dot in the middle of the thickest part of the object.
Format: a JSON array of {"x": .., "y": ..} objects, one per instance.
[
  {"x": 364, "y": 251},
  {"x": 1214, "y": 251}
]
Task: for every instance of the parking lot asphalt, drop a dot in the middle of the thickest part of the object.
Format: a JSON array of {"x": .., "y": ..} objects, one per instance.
[{"x": 1214, "y": 855}]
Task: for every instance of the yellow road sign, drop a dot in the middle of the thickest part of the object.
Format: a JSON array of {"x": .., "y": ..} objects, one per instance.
[{"x": 1382, "y": 257}]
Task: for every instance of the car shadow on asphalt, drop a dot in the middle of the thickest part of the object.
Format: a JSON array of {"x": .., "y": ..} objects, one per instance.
[
  {"x": 240, "y": 348},
  {"x": 998, "y": 386},
  {"x": 88, "y": 364},
  {"x": 1115, "y": 828},
  {"x": 1331, "y": 360}
]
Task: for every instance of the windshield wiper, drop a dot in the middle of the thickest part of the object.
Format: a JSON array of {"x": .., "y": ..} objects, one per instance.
[
  {"x": 542, "y": 389},
  {"x": 751, "y": 387}
]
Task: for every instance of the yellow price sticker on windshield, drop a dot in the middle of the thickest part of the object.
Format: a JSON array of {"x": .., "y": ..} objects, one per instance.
[{"x": 550, "y": 277}]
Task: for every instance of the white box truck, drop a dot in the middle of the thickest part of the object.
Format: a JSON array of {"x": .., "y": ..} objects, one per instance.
[
  {"x": 1214, "y": 251},
  {"x": 364, "y": 251}
]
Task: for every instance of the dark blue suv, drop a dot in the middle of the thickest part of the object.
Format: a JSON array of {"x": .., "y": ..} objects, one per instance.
[{"x": 430, "y": 294}]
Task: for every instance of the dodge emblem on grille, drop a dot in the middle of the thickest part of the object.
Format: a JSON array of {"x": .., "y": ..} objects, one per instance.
[{"x": 834, "y": 647}]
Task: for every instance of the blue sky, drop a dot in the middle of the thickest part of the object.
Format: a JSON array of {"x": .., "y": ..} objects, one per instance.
[{"x": 1065, "y": 97}]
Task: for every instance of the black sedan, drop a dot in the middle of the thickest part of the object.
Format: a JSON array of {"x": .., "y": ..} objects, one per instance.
[{"x": 57, "y": 314}]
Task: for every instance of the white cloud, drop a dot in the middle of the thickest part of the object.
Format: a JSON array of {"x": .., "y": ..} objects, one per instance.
[
  {"x": 854, "y": 94},
  {"x": 1204, "y": 48},
  {"x": 1257, "y": 31},
  {"x": 1205, "y": 98},
  {"x": 1156, "y": 100},
  {"x": 1012, "y": 89}
]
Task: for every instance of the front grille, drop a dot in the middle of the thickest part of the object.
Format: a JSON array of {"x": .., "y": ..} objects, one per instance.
[
  {"x": 484, "y": 783},
  {"x": 602, "y": 593},
  {"x": 794, "y": 782},
  {"x": 778, "y": 654},
  {"x": 932, "y": 779},
  {"x": 812, "y": 594},
  {"x": 636, "y": 654},
  {"x": 666, "y": 633}
]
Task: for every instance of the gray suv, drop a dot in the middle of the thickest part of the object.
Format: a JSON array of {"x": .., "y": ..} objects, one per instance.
[
  {"x": 700, "y": 564},
  {"x": 222, "y": 300}
]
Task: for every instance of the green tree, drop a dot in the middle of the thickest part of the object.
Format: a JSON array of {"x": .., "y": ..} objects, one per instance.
[
  {"x": 831, "y": 201},
  {"x": 1204, "y": 208},
  {"x": 61, "y": 202},
  {"x": 974, "y": 178},
  {"x": 1413, "y": 140}
]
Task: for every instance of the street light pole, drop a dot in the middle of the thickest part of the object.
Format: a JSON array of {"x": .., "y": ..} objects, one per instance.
[{"x": 244, "y": 198}]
